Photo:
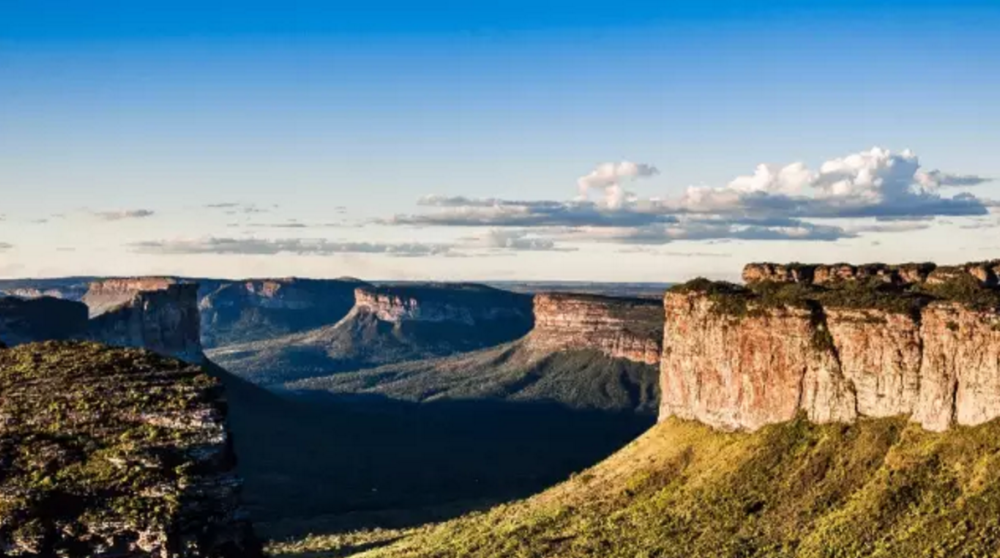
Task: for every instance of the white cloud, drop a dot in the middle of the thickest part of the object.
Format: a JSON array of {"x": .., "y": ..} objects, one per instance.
[
  {"x": 608, "y": 177},
  {"x": 775, "y": 202},
  {"x": 258, "y": 246}
]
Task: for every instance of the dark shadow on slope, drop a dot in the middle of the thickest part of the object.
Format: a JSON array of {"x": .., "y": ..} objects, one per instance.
[{"x": 372, "y": 461}]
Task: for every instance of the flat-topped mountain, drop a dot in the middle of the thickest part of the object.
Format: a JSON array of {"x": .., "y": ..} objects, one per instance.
[
  {"x": 256, "y": 309},
  {"x": 388, "y": 323},
  {"x": 836, "y": 350},
  {"x": 584, "y": 352},
  {"x": 159, "y": 314},
  {"x": 115, "y": 453}
]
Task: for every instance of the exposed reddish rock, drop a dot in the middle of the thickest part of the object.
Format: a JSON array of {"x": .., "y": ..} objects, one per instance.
[
  {"x": 734, "y": 362},
  {"x": 618, "y": 327},
  {"x": 107, "y": 294},
  {"x": 458, "y": 303},
  {"x": 164, "y": 320},
  {"x": 905, "y": 274}
]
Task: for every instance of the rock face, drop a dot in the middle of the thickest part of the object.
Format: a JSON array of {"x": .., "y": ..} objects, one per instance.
[
  {"x": 904, "y": 274},
  {"x": 739, "y": 360},
  {"x": 243, "y": 311},
  {"x": 458, "y": 303},
  {"x": 617, "y": 327},
  {"x": 40, "y": 319},
  {"x": 108, "y": 294},
  {"x": 115, "y": 453},
  {"x": 163, "y": 319},
  {"x": 387, "y": 324}
]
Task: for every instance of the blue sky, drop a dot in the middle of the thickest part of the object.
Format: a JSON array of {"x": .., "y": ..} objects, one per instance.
[{"x": 315, "y": 128}]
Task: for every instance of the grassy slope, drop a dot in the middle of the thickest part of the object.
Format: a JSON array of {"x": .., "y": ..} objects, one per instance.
[
  {"x": 881, "y": 488},
  {"x": 514, "y": 372}
]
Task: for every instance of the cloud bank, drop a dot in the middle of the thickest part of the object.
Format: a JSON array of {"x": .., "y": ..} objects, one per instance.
[
  {"x": 790, "y": 202},
  {"x": 299, "y": 246},
  {"x": 123, "y": 215}
]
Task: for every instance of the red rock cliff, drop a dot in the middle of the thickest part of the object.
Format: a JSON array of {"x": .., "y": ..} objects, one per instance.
[
  {"x": 618, "y": 327},
  {"x": 739, "y": 362}
]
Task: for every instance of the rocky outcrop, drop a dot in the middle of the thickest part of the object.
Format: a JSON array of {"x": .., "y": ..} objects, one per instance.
[
  {"x": 617, "y": 327},
  {"x": 164, "y": 319},
  {"x": 40, "y": 319},
  {"x": 115, "y": 453},
  {"x": 458, "y": 303},
  {"x": 736, "y": 358},
  {"x": 244, "y": 311},
  {"x": 986, "y": 273},
  {"x": 108, "y": 294}
]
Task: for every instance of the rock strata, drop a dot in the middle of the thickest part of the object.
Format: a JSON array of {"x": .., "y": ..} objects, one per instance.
[
  {"x": 737, "y": 358},
  {"x": 986, "y": 273},
  {"x": 164, "y": 319},
  {"x": 618, "y": 327},
  {"x": 115, "y": 453},
  {"x": 457, "y": 303}
]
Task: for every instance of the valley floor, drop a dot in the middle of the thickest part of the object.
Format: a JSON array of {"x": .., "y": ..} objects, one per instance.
[{"x": 879, "y": 488}]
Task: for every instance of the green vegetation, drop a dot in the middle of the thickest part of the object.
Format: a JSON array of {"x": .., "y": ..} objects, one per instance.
[
  {"x": 871, "y": 293},
  {"x": 92, "y": 437},
  {"x": 879, "y": 488}
]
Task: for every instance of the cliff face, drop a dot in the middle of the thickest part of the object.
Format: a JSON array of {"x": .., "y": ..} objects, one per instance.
[
  {"x": 986, "y": 273},
  {"x": 108, "y": 294},
  {"x": 40, "y": 319},
  {"x": 461, "y": 304},
  {"x": 141, "y": 465},
  {"x": 164, "y": 319},
  {"x": 734, "y": 359},
  {"x": 243, "y": 311},
  {"x": 617, "y": 327}
]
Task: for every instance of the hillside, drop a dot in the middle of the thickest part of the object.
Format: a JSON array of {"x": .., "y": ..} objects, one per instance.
[
  {"x": 878, "y": 488},
  {"x": 386, "y": 324},
  {"x": 114, "y": 452},
  {"x": 244, "y": 311}
]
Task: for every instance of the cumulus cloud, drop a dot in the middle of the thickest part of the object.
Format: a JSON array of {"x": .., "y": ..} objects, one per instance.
[
  {"x": 313, "y": 247},
  {"x": 123, "y": 215},
  {"x": 608, "y": 178},
  {"x": 776, "y": 202}
]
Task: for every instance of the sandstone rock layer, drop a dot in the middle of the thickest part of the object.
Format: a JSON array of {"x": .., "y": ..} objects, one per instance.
[
  {"x": 618, "y": 327},
  {"x": 739, "y": 367}
]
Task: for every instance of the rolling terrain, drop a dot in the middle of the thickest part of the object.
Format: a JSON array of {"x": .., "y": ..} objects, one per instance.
[{"x": 879, "y": 488}]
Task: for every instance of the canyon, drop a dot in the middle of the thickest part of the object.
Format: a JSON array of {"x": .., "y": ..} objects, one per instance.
[{"x": 584, "y": 352}]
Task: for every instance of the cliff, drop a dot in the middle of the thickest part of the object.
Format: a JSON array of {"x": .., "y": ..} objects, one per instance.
[
  {"x": 108, "y": 294},
  {"x": 387, "y": 324},
  {"x": 40, "y": 319},
  {"x": 617, "y": 327},
  {"x": 736, "y": 357},
  {"x": 244, "y": 311},
  {"x": 115, "y": 453},
  {"x": 986, "y": 273},
  {"x": 163, "y": 319}
]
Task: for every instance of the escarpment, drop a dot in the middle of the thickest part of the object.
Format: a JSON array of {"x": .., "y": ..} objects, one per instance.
[
  {"x": 736, "y": 357},
  {"x": 985, "y": 272},
  {"x": 387, "y": 324},
  {"x": 251, "y": 310},
  {"x": 617, "y": 327},
  {"x": 160, "y": 315},
  {"x": 115, "y": 453}
]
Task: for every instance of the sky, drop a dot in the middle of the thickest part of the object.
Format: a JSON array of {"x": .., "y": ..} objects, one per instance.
[{"x": 605, "y": 141}]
